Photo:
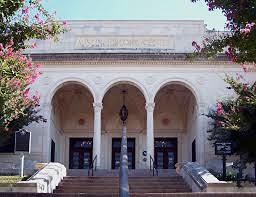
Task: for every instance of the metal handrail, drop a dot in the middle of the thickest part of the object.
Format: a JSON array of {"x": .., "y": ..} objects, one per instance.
[
  {"x": 153, "y": 166},
  {"x": 91, "y": 166}
]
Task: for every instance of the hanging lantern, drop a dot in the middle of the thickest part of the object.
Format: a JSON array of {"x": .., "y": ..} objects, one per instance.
[{"x": 123, "y": 111}]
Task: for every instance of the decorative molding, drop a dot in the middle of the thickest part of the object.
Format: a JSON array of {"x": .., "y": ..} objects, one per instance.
[
  {"x": 97, "y": 107},
  {"x": 126, "y": 58},
  {"x": 150, "y": 80},
  {"x": 139, "y": 62},
  {"x": 150, "y": 107},
  {"x": 98, "y": 80}
]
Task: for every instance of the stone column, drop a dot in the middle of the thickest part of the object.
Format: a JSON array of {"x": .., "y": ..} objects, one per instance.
[
  {"x": 150, "y": 131},
  {"x": 97, "y": 132},
  {"x": 201, "y": 132},
  {"x": 45, "y": 132}
]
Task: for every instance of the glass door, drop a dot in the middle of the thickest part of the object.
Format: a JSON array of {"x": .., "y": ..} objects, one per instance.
[
  {"x": 116, "y": 152},
  {"x": 166, "y": 153},
  {"x": 80, "y": 153}
]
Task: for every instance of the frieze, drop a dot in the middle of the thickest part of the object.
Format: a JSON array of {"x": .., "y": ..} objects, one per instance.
[
  {"x": 119, "y": 57},
  {"x": 125, "y": 42}
]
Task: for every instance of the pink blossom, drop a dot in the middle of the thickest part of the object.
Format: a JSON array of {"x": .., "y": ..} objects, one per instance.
[
  {"x": 248, "y": 28},
  {"x": 1, "y": 46},
  {"x": 1, "y": 53},
  {"x": 39, "y": 65},
  {"x": 16, "y": 83},
  {"x": 64, "y": 23},
  {"x": 35, "y": 99},
  {"x": 245, "y": 87},
  {"x": 34, "y": 45},
  {"x": 25, "y": 10},
  {"x": 26, "y": 92},
  {"x": 37, "y": 16},
  {"x": 11, "y": 42},
  {"x": 9, "y": 52},
  {"x": 220, "y": 123},
  {"x": 219, "y": 109}
]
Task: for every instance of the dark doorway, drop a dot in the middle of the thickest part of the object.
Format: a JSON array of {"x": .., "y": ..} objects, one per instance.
[
  {"x": 194, "y": 150},
  {"x": 166, "y": 153},
  {"x": 80, "y": 153},
  {"x": 116, "y": 151},
  {"x": 52, "y": 151}
]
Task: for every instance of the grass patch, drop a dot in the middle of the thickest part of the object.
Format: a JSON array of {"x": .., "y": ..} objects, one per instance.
[{"x": 10, "y": 179}]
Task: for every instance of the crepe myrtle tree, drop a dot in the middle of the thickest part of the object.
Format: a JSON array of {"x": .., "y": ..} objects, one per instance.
[
  {"x": 239, "y": 42},
  {"x": 234, "y": 119},
  {"x": 20, "y": 22}
]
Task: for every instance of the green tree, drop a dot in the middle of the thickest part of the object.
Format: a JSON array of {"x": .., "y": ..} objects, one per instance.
[
  {"x": 234, "y": 120},
  {"x": 20, "y": 22},
  {"x": 240, "y": 40}
]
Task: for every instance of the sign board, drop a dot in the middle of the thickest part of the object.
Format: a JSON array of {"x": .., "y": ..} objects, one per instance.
[
  {"x": 22, "y": 141},
  {"x": 223, "y": 148}
]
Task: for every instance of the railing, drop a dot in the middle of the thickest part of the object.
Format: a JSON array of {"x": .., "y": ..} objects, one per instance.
[
  {"x": 92, "y": 165},
  {"x": 153, "y": 166}
]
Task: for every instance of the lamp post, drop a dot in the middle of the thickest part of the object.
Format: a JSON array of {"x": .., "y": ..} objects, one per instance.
[{"x": 123, "y": 171}]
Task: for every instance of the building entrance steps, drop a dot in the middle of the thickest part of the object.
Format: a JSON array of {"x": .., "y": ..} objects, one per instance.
[
  {"x": 139, "y": 183},
  {"x": 115, "y": 173}
]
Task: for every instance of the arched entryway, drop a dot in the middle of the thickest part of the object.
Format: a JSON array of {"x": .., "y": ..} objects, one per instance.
[
  {"x": 112, "y": 125},
  {"x": 174, "y": 125},
  {"x": 72, "y": 125}
]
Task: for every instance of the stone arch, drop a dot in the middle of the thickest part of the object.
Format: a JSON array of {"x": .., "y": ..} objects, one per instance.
[
  {"x": 66, "y": 81},
  {"x": 130, "y": 81},
  {"x": 179, "y": 81}
]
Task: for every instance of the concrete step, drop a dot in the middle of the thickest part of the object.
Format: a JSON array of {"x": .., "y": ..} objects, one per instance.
[
  {"x": 109, "y": 185},
  {"x": 115, "y": 173}
]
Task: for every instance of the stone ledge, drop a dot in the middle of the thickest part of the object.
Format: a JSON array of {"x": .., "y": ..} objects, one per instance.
[
  {"x": 45, "y": 181},
  {"x": 200, "y": 179}
]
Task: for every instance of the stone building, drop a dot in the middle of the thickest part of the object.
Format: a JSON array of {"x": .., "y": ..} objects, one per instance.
[{"x": 85, "y": 73}]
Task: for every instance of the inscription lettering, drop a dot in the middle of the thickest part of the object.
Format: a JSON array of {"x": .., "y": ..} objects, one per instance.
[{"x": 125, "y": 42}]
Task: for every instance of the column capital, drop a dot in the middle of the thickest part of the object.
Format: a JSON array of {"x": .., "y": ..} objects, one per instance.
[
  {"x": 150, "y": 107},
  {"x": 97, "y": 107}
]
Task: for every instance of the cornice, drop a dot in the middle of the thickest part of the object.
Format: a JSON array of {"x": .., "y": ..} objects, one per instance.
[
  {"x": 125, "y": 58},
  {"x": 133, "y": 62}
]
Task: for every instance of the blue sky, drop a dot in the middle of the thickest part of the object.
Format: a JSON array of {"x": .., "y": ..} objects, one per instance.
[{"x": 136, "y": 10}]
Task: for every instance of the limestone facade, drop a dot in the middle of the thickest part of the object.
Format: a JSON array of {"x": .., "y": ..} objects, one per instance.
[{"x": 85, "y": 72}]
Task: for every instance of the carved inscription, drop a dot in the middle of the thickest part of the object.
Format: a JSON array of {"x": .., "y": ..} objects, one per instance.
[{"x": 131, "y": 42}]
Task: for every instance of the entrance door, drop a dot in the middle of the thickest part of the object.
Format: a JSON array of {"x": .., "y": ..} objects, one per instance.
[
  {"x": 80, "y": 153},
  {"x": 116, "y": 152},
  {"x": 165, "y": 152}
]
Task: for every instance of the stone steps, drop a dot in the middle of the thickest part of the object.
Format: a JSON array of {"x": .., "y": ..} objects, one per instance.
[
  {"x": 131, "y": 172},
  {"x": 109, "y": 186}
]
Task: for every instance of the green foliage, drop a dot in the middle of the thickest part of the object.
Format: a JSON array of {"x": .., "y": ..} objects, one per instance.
[
  {"x": 20, "y": 22},
  {"x": 23, "y": 20},
  {"x": 240, "y": 40},
  {"x": 234, "y": 120}
]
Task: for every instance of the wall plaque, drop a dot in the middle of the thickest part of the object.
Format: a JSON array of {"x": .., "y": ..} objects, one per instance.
[
  {"x": 223, "y": 148},
  {"x": 22, "y": 141}
]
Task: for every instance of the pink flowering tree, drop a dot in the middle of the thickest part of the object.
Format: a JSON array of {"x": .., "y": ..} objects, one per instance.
[
  {"x": 20, "y": 22},
  {"x": 239, "y": 42},
  {"x": 235, "y": 120}
]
